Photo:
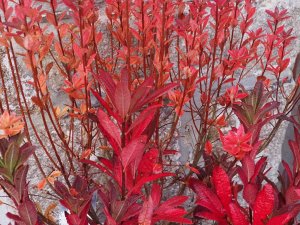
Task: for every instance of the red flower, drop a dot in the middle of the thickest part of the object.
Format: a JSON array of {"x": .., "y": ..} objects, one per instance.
[{"x": 236, "y": 142}]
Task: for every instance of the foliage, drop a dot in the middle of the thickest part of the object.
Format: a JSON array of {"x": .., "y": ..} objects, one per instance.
[{"x": 127, "y": 76}]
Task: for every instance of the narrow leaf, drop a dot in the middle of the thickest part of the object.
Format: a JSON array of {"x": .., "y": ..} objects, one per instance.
[
  {"x": 109, "y": 130},
  {"x": 20, "y": 180},
  {"x": 140, "y": 93},
  {"x": 145, "y": 216},
  {"x": 156, "y": 94},
  {"x": 207, "y": 198},
  {"x": 11, "y": 157},
  {"x": 106, "y": 81},
  {"x": 134, "y": 148},
  {"x": 106, "y": 106},
  {"x": 144, "y": 180},
  {"x": 122, "y": 98},
  {"x": 11, "y": 191},
  {"x": 28, "y": 213},
  {"x": 143, "y": 120}
]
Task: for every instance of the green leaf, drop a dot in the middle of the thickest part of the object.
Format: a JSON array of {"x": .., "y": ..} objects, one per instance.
[
  {"x": 11, "y": 157},
  {"x": 1, "y": 163}
]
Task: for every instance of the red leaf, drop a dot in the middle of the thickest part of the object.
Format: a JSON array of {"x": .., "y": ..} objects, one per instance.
[
  {"x": 122, "y": 96},
  {"x": 143, "y": 120},
  {"x": 207, "y": 198},
  {"x": 144, "y": 180},
  {"x": 174, "y": 215},
  {"x": 170, "y": 204},
  {"x": 212, "y": 216},
  {"x": 87, "y": 34},
  {"x": 248, "y": 166},
  {"x": 140, "y": 93},
  {"x": 28, "y": 213},
  {"x": 156, "y": 94},
  {"x": 259, "y": 167},
  {"x": 50, "y": 18},
  {"x": 107, "y": 163},
  {"x": 193, "y": 169},
  {"x": 288, "y": 171},
  {"x": 106, "y": 81},
  {"x": 222, "y": 185},
  {"x": 37, "y": 101},
  {"x": 97, "y": 165},
  {"x": 208, "y": 147},
  {"x": 263, "y": 205},
  {"x": 250, "y": 192},
  {"x": 280, "y": 220},
  {"x": 237, "y": 216},
  {"x": 106, "y": 106},
  {"x": 86, "y": 154},
  {"x": 132, "y": 150},
  {"x": 109, "y": 219},
  {"x": 109, "y": 130},
  {"x": 292, "y": 195},
  {"x": 10, "y": 189},
  {"x": 149, "y": 160},
  {"x": 20, "y": 180},
  {"x": 145, "y": 217},
  {"x": 70, "y": 4},
  {"x": 156, "y": 194}
]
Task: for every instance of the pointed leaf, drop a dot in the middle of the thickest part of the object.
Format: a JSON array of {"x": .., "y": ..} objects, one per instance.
[
  {"x": 263, "y": 205},
  {"x": 265, "y": 109},
  {"x": 12, "y": 192},
  {"x": 14, "y": 217},
  {"x": 122, "y": 96},
  {"x": 237, "y": 216},
  {"x": 28, "y": 213},
  {"x": 142, "y": 181},
  {"x": 171, "y": 204},
  {"x": 259, "y": 168},
  {"x": 156, "y": 94},
  {"x": 280, "y": 219},
  {"x": 109, "y": 130},
  {"x": 106, "y": 106},
  {"x": 97, "y": 165},
  {"x": 143, "y": 120},
  {"x": 174, "y": 215},
  {"x": 134, "y": 148},
  {"x": 11, "y": 157},
  {"x": 25, "y": 152},
  {"x": 140, "y": 93},
  {"x": 106, "y": 81},
  {"x": 211, "y": 216},
  {"x": 70, "y": 4},
  {"x": 20, "y": 180},
  {"x": 222, "y": 185},
  {"x": 248, "y": 166},
  {"x": 207, "y": 198},
  {"x": 145, "y": 216}
]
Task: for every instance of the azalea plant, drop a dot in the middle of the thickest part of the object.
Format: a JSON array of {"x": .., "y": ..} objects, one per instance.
[{"x": 110, "y": 86}]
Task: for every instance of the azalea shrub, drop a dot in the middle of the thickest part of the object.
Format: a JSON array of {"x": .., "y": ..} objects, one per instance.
[{"x": 94, "y": 96}]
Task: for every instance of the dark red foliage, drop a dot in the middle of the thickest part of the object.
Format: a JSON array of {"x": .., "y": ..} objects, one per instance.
[{"x": 140, "y": 79}]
